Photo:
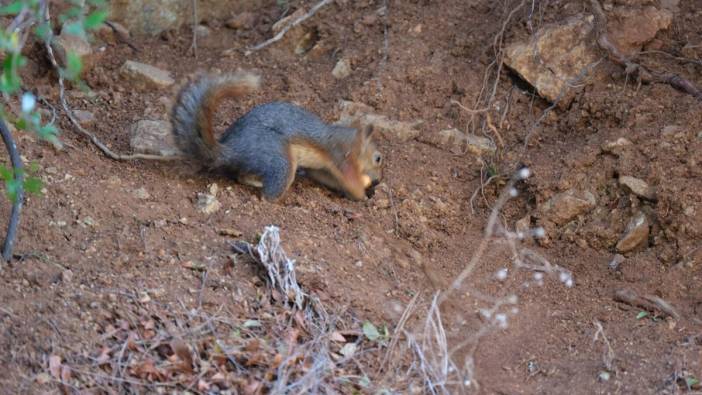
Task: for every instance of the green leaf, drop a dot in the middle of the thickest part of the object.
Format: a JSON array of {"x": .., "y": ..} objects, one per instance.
[
  {"x": 642, "y": 314},
  {"x": 74, "y": 65},
  {"x": 252, "y": 324},
  {"x": 33, "y": 185},
  {"x": 5, "y": 173},
  {"x": 95, "y": 19},
  {"x": 691, "y": 381},
  {"x": 370, "y": 331},
  {"x": 43, "y": 31},
  {"x": 12, "y": 186},
  {"x": 74, "y": 29},
  {"x": 12, "y": 8}
]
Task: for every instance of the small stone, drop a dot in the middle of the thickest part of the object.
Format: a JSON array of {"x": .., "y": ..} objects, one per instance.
[
  {"x": 160, "y": 223},
  {"x": 213, "y": 189},
  {"x": 141, "y": 193},
  {"x": 207, "y": 203},
  {"x": 243, "y": 21},
  {"x": 342, "y": 69},
  {"x": 67, "y": 276},
  {"x": 638, "y": 187},
  {"x": 84, "y": 118},
  {"x": 202, "y": 31},
  {"x": 89, "y": 221},
  {"x": 523, "y": 226},
  {"x": 144, "y": 76},
  {"x": 617, "y": 146},
  {"x": 565, "y": 206},
  {"x": 636, "y": 233},
  {"x": 154, "y": 138},
  {"x": 459, "y": 142},
  {"x": 230, "y": 232},
  {"x": 616, "y": 261},
  {"x": 68, "y": 43},
  {"x": 354, "y": 112}
]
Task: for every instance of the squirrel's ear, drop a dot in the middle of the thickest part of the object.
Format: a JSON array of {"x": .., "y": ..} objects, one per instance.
[{"x": 368, "y": 131}]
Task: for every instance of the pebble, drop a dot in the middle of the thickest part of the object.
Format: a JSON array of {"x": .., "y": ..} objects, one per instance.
[
  {"x": 565, "y": 206},
  {"x": 636, "y": 233},
  {"x": 207, "y": 203},
  {"x": 144, "y": 76},
  {"x": 342, "y": 69},
  {"x": 141, "y": 193},
  {"x": 639, "y": 187}
]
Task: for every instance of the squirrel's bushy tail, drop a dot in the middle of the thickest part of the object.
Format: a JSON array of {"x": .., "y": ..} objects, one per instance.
[{"x": 193, "y": 113}]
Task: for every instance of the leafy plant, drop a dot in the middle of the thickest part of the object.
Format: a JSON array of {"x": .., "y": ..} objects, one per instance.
[{"x": 31, "y": 18}]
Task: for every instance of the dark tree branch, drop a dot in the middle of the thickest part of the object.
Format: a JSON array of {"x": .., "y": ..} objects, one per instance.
[{"x": 19, "y": 196}]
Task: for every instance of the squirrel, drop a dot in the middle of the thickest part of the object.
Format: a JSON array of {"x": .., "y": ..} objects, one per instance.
[{"x": 266, "y": 146}]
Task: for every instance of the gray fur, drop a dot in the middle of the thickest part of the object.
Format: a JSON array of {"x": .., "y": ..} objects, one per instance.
[{"x": 257, "y": 142}]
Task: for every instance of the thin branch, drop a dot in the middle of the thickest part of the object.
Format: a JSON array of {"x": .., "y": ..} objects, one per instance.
[
  {"x": 19, "y": 194},
  {"x": 69, "y": 113},
  {"x": 282, "y": 32}
]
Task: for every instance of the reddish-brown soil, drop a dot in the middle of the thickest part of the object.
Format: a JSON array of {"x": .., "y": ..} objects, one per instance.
[{"x": 94, "y": 254}]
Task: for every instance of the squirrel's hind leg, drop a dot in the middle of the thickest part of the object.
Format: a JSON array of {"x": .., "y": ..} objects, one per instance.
[
  {"x": 278, "y": 177},
  {"x": 250, "y": 180}
]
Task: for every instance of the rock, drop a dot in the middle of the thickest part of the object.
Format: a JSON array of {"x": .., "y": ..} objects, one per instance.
[
  {"x": 84, "y": 118},
  {"x": 151, "y": 17},
  {"x": 459, "y": 142},
  {"x": 299, "y": 38},
  {"x": 144, "y": 76},
  {"x": 141, "y": 193},
  {"x": 617, "y": 146},
  {"x": 616, "y": 261},
  {"x": 230, "y": 232},
  {"x": 555, "y": 57},
  {"x": 68, "y": 43},
  {"x": 243, "y": 21},
  {"x": 362, "y": 114},
  {"x": 207, "y": 203},
  {"x": 565, "y": 206},
  {"x": 629, "y": 28},
  {"x": 635, "y": 234},
  {"x": 202, "y": 31},
  {"x": 639, "y": 187},
  {"x": 342, "y": 69},
  {"x": 154, "y": 138}
]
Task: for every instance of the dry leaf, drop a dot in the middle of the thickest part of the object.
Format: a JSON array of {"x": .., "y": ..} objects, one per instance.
[
  {"x": 337, "y": 337},
  {"x": 55, "y": 366}
]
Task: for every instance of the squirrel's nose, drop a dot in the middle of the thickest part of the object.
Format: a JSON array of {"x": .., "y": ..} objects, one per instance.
[{"x": 370, "y": 191}]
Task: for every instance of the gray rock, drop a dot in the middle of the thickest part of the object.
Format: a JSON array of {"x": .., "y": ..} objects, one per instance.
[
  {"x": 617, "y": 146},
  {"x": 616, "y": 261},
  {"x": 141, "y": 193},
  {"x": 362, "y": 114},
  {"x": 565, "y": 206},
  {"x": 207, "y": 203},
  {"x": 636, "y": 233},
  {"x": 68, "y": 43},
  {"x": 554, "y": 58},
  {"x": 243, "y": 21},
  {"x": 342, "y": 69},
  {"x": 154, "y": 138},
  {"x": 144, "y": 76},
  {"x": 639, "y": 187},
  {"x": 84, "y": 118},
  {"x": 459, "y": 142},
  {"x": 151, "y": 17}
]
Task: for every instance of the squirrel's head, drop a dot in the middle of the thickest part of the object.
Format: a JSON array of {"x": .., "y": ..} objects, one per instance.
[{"x": 370, "y": 160}]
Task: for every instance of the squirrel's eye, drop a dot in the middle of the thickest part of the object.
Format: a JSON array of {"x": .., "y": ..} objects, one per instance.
[{"x": 377, "y": 158}]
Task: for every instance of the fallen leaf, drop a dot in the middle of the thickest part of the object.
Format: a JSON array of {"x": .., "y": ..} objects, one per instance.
[
  {"x": 337, "y": 337},
  {"x": 55, "y": 366},
  {"x": 348, "y": 350},
  {"x": 370, "y": 331},
  {"x": 104, "y": 356}
]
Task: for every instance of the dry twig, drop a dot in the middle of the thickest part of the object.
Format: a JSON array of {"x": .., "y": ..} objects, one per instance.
[{"x": 284, "y": 30}]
